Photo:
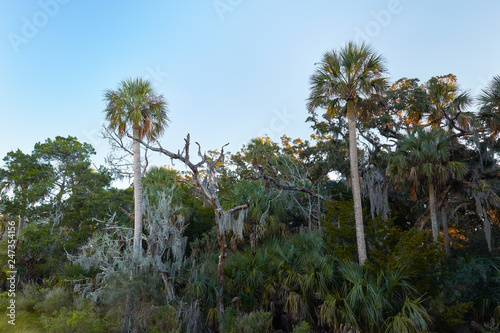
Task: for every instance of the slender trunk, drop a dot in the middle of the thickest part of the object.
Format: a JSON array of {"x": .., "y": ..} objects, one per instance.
[
  {"x": 129, "y": 314},
  {"x": 168, "y": 286},
  {"x": 444, "y": 222},
  {"x": 220, "y": 269},
  {"x": 356, "y": 190},
  {"x": 309, "y": 218},
  {"x": 385, "y": 203},
  {"x": 21, "y": 224},
  {"x": 60, "y": 195},
  {"x": 433, "y": 211},
  {"x": 137, "y": 196},
  {"x": 482, "y": 212},
  {"x": 487, "y": 230},
  {"x": 128, "y": 318}
]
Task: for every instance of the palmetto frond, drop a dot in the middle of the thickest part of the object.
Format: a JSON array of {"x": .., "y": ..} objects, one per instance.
[
  {"x": 412, "y": 318},
  {"x": 335, "y": 312}
]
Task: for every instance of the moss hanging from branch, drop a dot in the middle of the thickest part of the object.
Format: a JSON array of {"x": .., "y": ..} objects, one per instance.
[{"x": 377, "y": 185}]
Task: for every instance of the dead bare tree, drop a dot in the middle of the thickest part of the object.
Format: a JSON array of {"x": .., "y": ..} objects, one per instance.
[{"x": 204, "y": 179}]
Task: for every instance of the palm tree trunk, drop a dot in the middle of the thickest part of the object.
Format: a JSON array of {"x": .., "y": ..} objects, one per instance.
[
  {"x": 444, "y": 220},
  {"x": 220, "y": 269},
  {"x": 356, "y": 190},
  {"x": 433, "y": 210},
  {"x": 137, "y": 195},
  {"x": 487, "y": 230}
]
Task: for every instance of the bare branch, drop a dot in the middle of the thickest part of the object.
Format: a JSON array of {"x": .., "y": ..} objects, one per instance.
[
  {"x": 286, "y": 187},
  {"x": 238, "y": 208},
  {"x": 116, "y": 139}
]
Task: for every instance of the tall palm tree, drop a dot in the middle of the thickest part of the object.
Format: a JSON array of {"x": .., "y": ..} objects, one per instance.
[
  {"x": 489, "y": 100},
  {"x": 426, "y": 154},
  {"x": 489, "y": 113},
  {"x": 135, "y": 105},
  {"x": 343, "y": 80}
]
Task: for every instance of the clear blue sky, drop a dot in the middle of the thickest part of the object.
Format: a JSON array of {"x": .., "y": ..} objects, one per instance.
[{"x": 230, "y": 69}]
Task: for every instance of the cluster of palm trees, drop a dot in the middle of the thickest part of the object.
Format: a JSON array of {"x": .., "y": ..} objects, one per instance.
[{"x": 350, "y": 82}]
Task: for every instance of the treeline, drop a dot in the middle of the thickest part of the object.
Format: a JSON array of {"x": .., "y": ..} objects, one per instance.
[{"x": 386, "y": 220}]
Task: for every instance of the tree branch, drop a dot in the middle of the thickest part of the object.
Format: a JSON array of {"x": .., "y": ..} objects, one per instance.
[{"x": 286, "y": 187}]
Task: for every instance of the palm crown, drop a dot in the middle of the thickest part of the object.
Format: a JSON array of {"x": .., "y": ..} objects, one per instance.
[
  {"x": 349, "y": 74},
  {"x": 427, "y": 154},
  {"x": 135, "y": 104},
  {"x": 489, "y": 100}
]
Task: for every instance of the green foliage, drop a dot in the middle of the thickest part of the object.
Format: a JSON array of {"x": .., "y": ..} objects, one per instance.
[
  {"x": 410, "y": 252},
  {"x": 281, "y": 274},
  {"x": 470, "y": 291},
  {"x": 304, "y": 327},
  {"x": 373, "y": 302},
  {"x": 81, "y": 319},
  {"x": 340, "y": 236},
  {"x": 41, "y": 251},
  {"x": 144, "y": 291},
  {"x": 163, "y": 319},
  {"x": 54, "y": 300},
  {"x": 199, "y": 217},
  {"x": 448, "y": 317},
  {"x": 25, "y": 181},
  {"x": 285, "y": 277},
  {"x": 416, "y": 255},
  {"x": 259, "y": 322},
  {"x": 297, "y": 279}
]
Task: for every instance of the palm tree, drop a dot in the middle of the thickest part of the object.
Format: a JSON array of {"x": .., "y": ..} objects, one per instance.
[
  {"x": 489, "y": 113},
  {"x": 446, "y": 104},
  {"x": 489, "y": 100},
  {"x": 426, "y": 154},
  {"x": 135, "y": 105},
  {"x": 343, "y": 80}
]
